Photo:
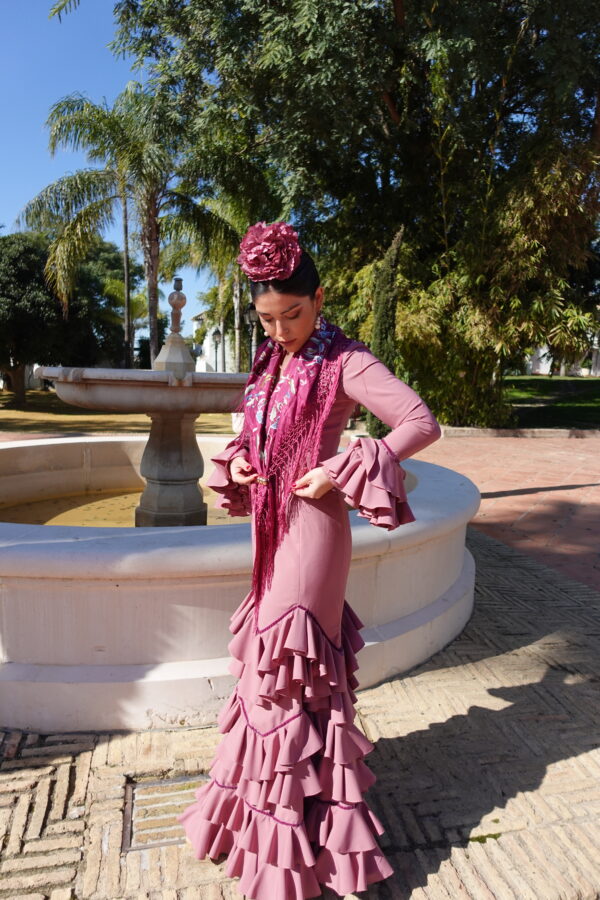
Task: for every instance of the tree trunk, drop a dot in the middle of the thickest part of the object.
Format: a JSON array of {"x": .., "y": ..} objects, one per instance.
[
  {"x": 151, "y": 245},
  {"x": 399, "y": 14},
  {"x": 17, "y": 383},
  {"x": 237, "y": 319},
  {"x": 222, "y": 327},
  {"x": 128, "y": 336}
]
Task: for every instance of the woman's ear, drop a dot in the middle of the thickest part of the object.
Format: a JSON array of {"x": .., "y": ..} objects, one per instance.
[{"x": 319, "y": 298}]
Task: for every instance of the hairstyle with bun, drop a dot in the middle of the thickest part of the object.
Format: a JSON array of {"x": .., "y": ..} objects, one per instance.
[
  {"x": 303, "y": 281},
  {"x": 273, "y": 260}
]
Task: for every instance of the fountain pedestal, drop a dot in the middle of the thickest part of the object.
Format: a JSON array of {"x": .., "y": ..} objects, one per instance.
[{"x": 172, "y": 464}]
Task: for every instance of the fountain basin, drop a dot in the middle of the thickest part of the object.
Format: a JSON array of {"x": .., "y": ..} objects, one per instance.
[
  {"x": 145, "y": 390},
  {"x": 127, "y": 628},
  {"x": 172, "y": 463}
]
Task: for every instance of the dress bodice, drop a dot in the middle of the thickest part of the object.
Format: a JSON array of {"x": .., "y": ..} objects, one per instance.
[{"x": 367, "y": 381}]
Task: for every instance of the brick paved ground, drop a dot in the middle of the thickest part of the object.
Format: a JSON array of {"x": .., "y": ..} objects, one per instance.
[
  {"x": 539, "y": 495},
  {"x": 487, "y": 760}
]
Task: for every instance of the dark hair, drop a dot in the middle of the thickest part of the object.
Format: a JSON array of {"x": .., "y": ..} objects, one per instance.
[{"x": 303, "y": 281}]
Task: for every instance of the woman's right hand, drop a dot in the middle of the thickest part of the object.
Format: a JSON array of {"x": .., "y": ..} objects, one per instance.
[{"x": 241, "y": 471}]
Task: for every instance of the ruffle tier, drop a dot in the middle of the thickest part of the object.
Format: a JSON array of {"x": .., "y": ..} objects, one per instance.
[
  {"x": 294, "y": 652},
  {"x": 349, "y": 859},
  {"x": 235, "y": 498},
  {"x": 285, "y": 796},
  {"x": 372, "y": 481}
]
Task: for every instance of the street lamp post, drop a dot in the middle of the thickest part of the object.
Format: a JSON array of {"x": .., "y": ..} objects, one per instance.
[
  {"x": 251, "y": 320},
  {"x": 216, "y": 336}
]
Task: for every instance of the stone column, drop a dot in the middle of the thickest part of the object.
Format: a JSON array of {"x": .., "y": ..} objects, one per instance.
[{"x": 172, "y": 465}]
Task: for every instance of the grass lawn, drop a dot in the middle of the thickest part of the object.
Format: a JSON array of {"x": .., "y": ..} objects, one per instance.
[
  {"x": 46, "y": 414},
  {"x": 557, "y": 402}
]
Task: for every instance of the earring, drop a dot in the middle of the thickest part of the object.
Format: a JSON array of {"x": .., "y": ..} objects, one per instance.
[{"x": 318, "y": 322}]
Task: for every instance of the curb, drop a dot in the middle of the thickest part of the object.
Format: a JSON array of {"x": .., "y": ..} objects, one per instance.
[
  {"x": 468, "y": 431},
  {"x": 473, "y": 431}
]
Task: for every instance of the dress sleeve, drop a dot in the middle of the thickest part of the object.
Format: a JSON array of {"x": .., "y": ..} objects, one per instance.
[
  {"x": 368, "y": 472},
  {"x": 235, "y": 498}
]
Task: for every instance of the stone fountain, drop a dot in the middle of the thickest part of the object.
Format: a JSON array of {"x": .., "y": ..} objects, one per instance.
[{"x": 173, "y": 396}]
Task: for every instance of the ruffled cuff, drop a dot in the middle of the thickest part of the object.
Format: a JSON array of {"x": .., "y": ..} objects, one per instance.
[
  {"x": 372, "y": 480},
  {"x": 235, "y": 498}
]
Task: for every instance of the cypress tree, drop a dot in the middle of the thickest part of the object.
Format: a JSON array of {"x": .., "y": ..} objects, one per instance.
[{"x": 385, "y": 300}]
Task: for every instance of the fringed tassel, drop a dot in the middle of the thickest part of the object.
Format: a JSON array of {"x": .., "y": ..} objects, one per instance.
[{"x": 294, "y": 451}]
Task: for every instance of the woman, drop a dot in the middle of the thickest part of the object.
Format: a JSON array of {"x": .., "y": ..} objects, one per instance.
[{"x": 285, "y": 796}]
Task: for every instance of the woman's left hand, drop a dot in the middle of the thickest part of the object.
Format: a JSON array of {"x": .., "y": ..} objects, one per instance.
[{"x": 313, "y": 484}]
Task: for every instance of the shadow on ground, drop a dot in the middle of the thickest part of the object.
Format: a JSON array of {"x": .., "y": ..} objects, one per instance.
[{"x": 505, "y": 761}]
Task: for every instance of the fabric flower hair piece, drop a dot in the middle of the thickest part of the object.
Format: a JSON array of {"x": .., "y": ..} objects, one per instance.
[{"x": 269, "y": 252}]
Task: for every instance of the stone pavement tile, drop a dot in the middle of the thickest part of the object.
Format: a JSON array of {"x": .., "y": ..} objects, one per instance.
[
  {"x": 505, "y": 863},
  {"x": 586, "y": 871},
  {"x": 39, "y": 861},
  {"x": 16, "y": 883},
  {"x": 490, "y": 873},
  {"x": 531, "y": 877},
  {"x": 28, "y": 896}
]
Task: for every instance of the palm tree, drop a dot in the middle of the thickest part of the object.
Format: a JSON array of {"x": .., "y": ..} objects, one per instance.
[
  {"x": 78, "y": 207},
  {"x": 142, "y": 145}
]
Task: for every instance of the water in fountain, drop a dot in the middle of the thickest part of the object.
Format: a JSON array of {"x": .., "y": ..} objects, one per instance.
[{"x": 95, "y": 509}]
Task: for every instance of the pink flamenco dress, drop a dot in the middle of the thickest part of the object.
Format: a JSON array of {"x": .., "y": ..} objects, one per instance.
[{"x": 285, "y": 795}]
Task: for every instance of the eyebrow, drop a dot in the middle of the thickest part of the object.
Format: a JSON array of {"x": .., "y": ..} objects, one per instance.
[{"x": 293, "y": 306}]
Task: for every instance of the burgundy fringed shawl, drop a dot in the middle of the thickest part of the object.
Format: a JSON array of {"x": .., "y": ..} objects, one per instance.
[{"x": 284, "y": 441}]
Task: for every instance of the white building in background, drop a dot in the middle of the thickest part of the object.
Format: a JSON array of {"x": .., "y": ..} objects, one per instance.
[
  {"x": 540, "y": 362},
  {"x": 217, "y": 351},
  {"x": 595, "y": 367}
]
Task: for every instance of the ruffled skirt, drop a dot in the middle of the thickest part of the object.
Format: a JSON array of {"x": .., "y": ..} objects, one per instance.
[{"x": 285, "y": 797}]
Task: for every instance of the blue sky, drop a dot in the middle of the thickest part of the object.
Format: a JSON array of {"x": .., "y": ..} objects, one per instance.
[{"x": 43, "y": 60}]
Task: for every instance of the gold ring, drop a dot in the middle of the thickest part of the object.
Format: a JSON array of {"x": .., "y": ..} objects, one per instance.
[{"x": 260, "y": 479}]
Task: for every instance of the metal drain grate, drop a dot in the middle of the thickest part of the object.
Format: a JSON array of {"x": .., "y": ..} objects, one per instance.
[{"x": 151, "y": 808}]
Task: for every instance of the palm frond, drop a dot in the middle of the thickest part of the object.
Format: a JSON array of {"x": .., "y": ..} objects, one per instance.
[
  {"x": 210, "y": 237},
  {"x": 69, "y": 249},
  {"x": 234, "y": 209},
  {"x": 173, "y": 257},
  {"x": 62, "y": 200},
  {"x": 63, "y": 6},
  {"x": 77, "y": 123}
]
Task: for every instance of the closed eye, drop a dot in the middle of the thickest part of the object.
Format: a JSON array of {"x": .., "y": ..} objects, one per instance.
[{"x": 270, "y": 321}]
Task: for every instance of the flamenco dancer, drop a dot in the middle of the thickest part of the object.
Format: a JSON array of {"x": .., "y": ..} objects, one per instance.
[{"x": 285, "y": 797}]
